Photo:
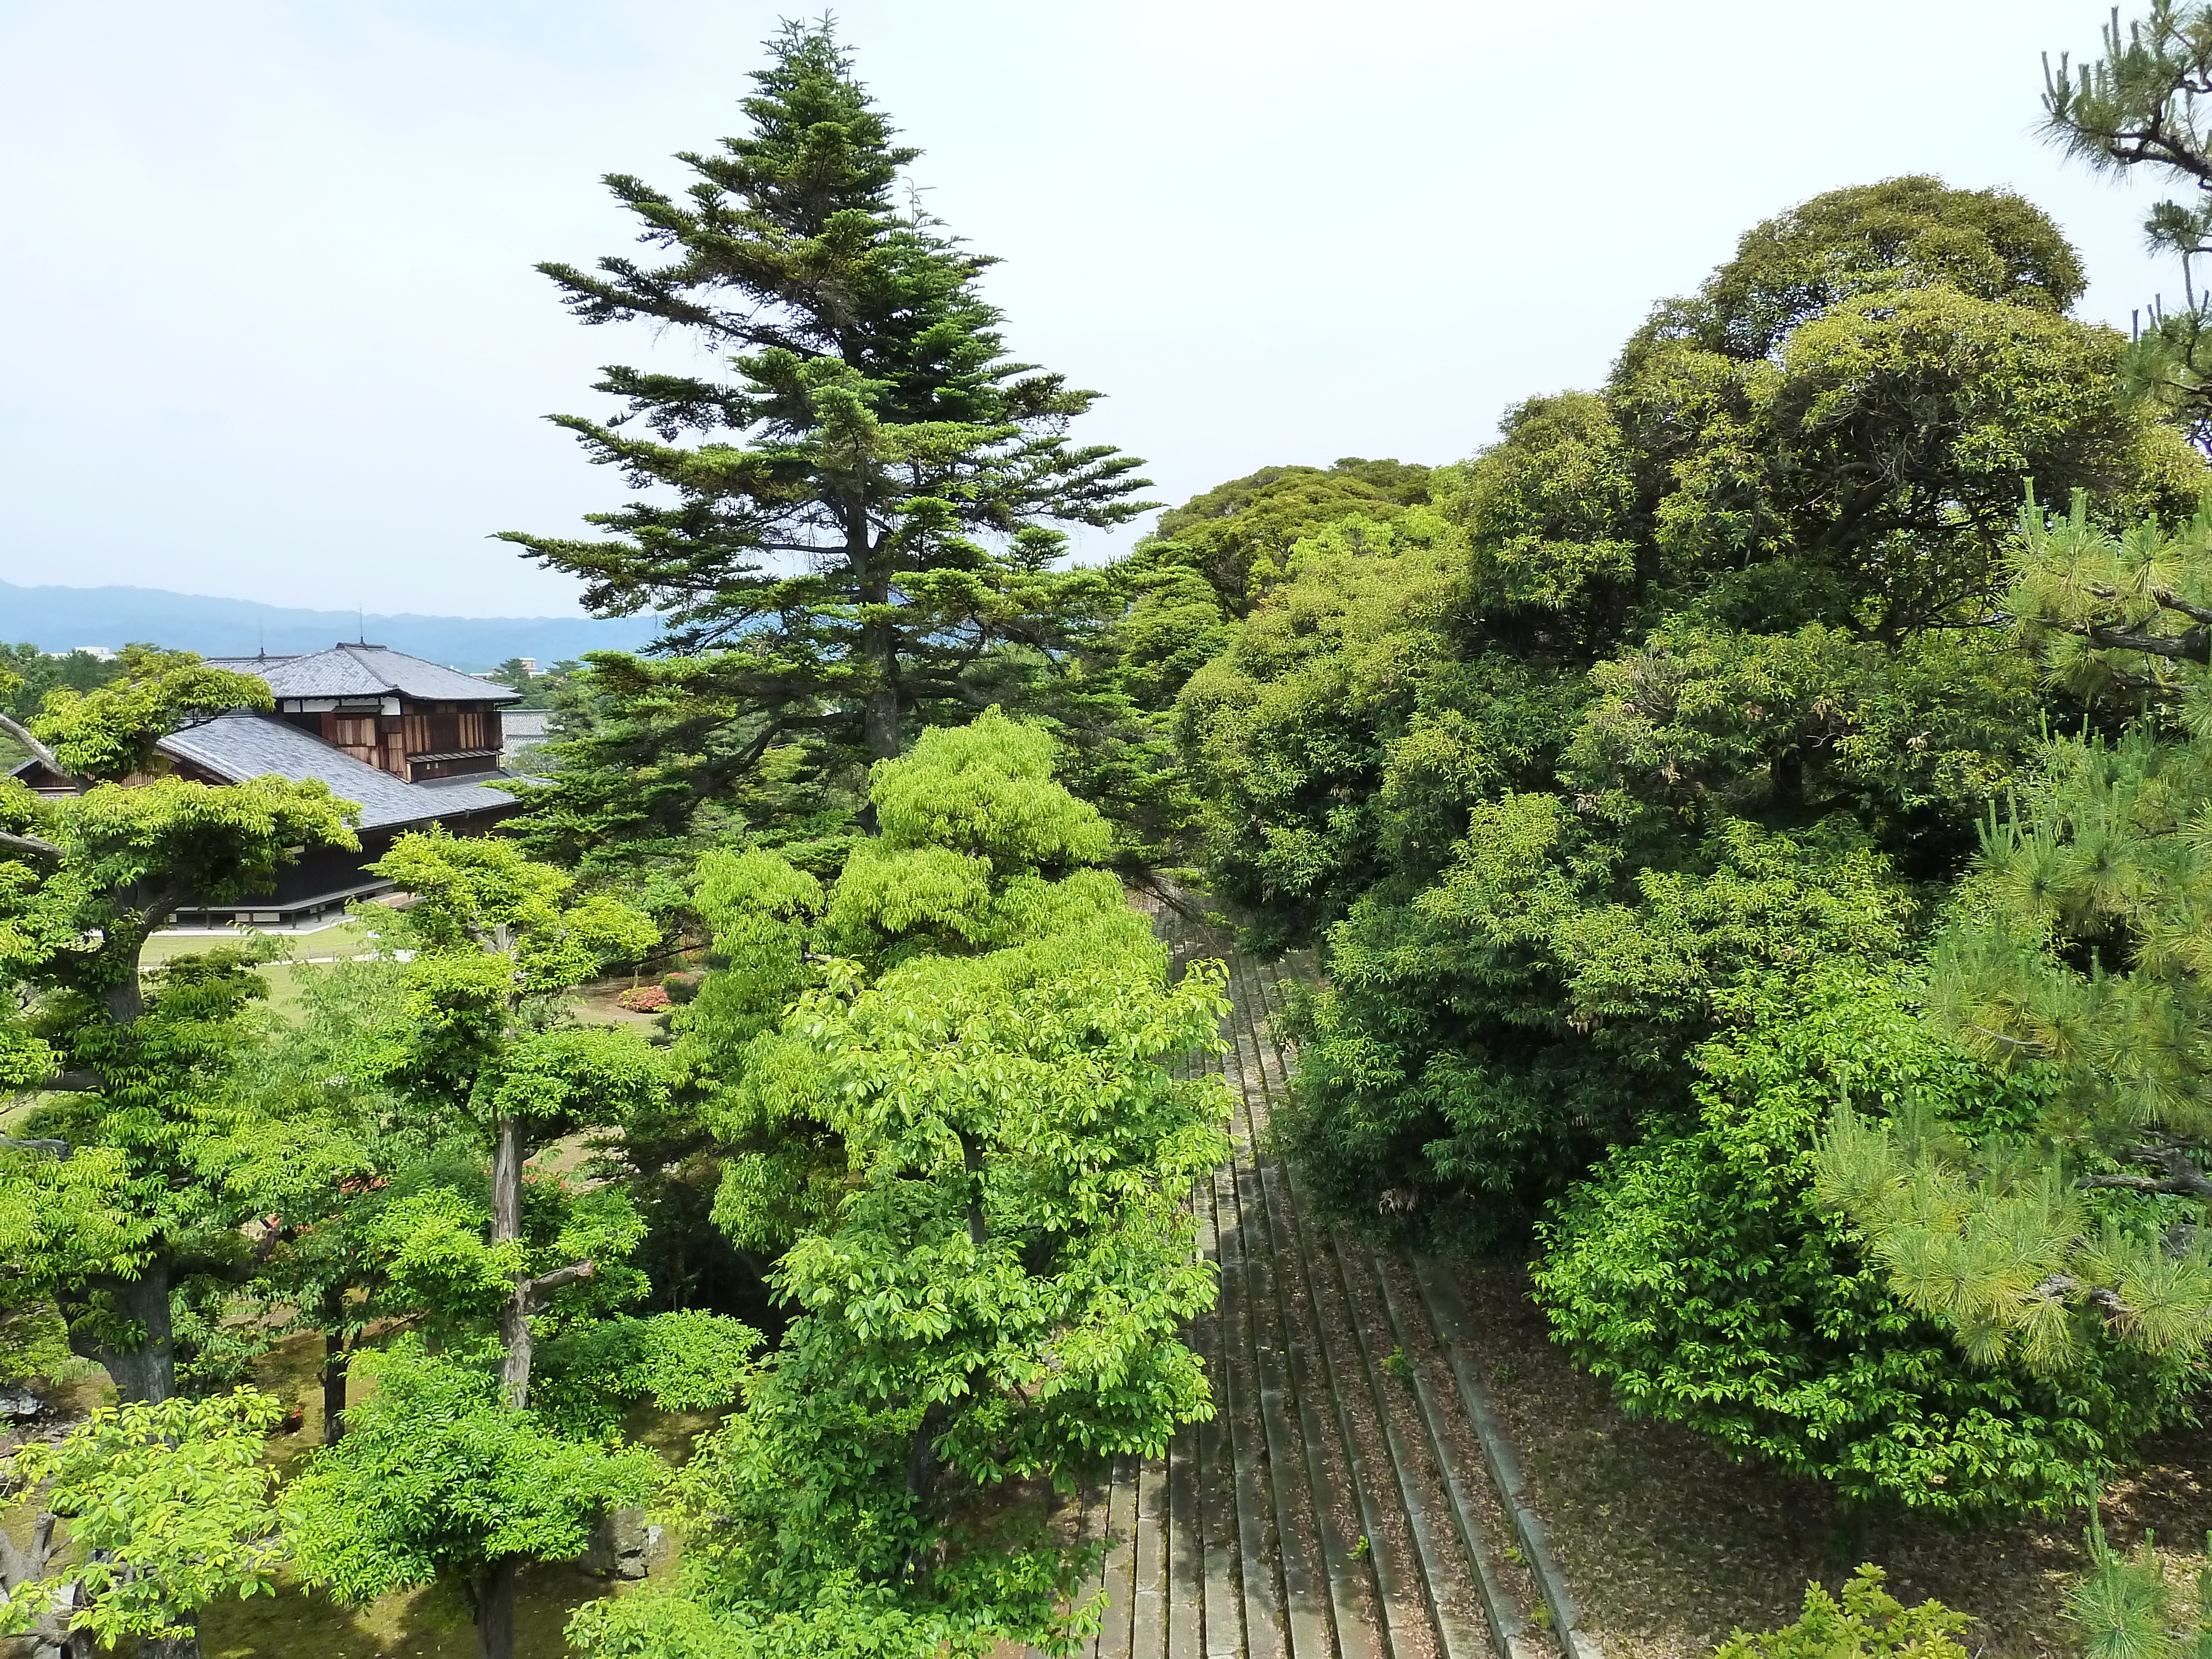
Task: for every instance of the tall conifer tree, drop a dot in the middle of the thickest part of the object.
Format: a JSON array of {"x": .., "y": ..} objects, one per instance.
[{"x": 853, "y": 530}]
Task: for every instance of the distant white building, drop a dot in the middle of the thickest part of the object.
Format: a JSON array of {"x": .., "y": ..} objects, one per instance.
[{"x": 521, "y": 729}]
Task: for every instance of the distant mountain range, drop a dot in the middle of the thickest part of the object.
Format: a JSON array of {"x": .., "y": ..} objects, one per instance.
[{"x": 64, "y": 618}]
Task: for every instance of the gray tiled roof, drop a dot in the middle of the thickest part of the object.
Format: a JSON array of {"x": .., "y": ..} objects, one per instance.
[
  {"x": 366, "y": 671},
  {"x": 239, "y": 746}
]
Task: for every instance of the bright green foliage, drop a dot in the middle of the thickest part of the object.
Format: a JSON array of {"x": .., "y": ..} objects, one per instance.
[
  {"x": 1324, "y": 731},
  {"x": 2075, "y": 947},
  {"x": 148, "y": 1170},
  {"x": 1210, "y": 560},
  {"x": 1695, "y": 1273},
  {"x": 1546, "y": 516},
  {"x": 168, "y": 1508},
  {"x": 541, "y": 688},
  {"x": 1904, "y": 233},
  {"x": 690, "y": 1362},
  {"x": 437, "y": 1475},
  {"x": 1868, "y": 1623},
  {"x": 65, "y": 1211},
  {"x": 964, "y": 1145},
  {"x": 1477, "y": 1045},
  {"x": 2105, "y": 868},
  {"x": 2111, "y": 616},
  {"x": 2129, "y": 1607},
  {"x": 1666, "y": 694},
  {"x": 484, "y": 1037},
  {"x": 110, "y": 731},
  {"x": 855, "y": 541},
  {"x": 1683, "y": 691},
  {"x": 1238, "y": 537},
  {"x": 494, "y": 943},
  {"x": 344, "y": 1144},
  {"x": 1756, "y": 469}
]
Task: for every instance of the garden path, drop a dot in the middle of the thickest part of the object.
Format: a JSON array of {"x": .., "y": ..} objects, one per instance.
[{"x": 1353, "y": 1497}]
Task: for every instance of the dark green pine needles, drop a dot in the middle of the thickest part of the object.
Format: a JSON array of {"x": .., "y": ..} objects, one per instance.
[{"x": 857, "y": 531}]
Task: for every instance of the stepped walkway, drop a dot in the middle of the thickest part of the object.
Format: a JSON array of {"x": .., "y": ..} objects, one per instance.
[{"x": 1353, "y": 1497}]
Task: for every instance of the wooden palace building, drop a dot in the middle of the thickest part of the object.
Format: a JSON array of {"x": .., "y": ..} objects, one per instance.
[{"x": 413, "y": 742}]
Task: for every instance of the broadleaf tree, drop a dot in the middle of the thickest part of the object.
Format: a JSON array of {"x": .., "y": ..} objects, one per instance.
[
  {"x": 135, "y": 1085},
  {"x": 166, "y": 1507},
  {"x": 453, "y": 1467},
  {"x": 943, "y": 1091},
  {"x": 1684, "y": 689}
]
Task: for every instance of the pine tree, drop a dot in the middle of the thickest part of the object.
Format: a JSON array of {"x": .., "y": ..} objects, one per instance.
[
  {"x": 2078, "y": 956},
  {"x": 857, "y": 534},
  {"x": 2142, "y": 103}
]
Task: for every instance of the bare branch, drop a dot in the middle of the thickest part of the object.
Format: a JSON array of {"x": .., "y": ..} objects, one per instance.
[
  {"x": 45, "y": 849},
  {"x": 534, "y": 1290},
  {"x": 15, "y": 729},
  {"x": 2172, "y": 601},
  {"x": 2177, "y": 1174}
]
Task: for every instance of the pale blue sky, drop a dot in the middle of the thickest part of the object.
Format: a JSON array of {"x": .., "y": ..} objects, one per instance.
[{"x": 272, "y": 329}]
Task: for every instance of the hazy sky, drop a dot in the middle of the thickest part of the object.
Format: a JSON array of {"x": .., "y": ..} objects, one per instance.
[{"x": 271, "y": 327}]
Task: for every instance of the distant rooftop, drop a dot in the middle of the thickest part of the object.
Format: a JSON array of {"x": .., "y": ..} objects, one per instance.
[
  {"x": 366, "y": 671},
  {"x": 239, "y": 746}
]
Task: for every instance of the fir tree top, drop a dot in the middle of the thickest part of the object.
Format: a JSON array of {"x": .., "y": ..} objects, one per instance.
[{"x": 858, "y": 524}]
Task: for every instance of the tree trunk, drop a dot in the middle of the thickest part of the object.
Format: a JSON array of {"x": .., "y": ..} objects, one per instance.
[
  {"x": 507, "y": 1181},
  {"x": 149, "y": 1371},
  {"x": 971, "y": 1159},
  {"x": 155, "y": 1647},
  {"x": 880, "y": 724},
  {"x": 871, "y": 562},
  {"x": 336, "y": 1356},
  {"x": 505, "y": 1224},
  {"x": 1786, "y": 772},
  {"x": 923, "y": 1465},
  {"x": 495, "y": 1597},
  {"x": 515, "y": 1333}
]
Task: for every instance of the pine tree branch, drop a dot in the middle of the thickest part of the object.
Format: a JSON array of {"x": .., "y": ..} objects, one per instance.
[
  {"x": 2058, "y": 1286},
  {"x": 2172, "y": 601},
  {"x": 2133, "y": 1183},
  {"x": 2177, "y": 1175},
  {"x": 2187, "y": 647}
]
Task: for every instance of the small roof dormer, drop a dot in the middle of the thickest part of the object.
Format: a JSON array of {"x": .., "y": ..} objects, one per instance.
[{"x": 319, "y": 681}]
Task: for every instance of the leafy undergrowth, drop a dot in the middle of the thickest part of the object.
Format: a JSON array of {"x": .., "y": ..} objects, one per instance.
[
  {"x": 431, "y": 1622},
  {"x": 1670, "y": 1545}
]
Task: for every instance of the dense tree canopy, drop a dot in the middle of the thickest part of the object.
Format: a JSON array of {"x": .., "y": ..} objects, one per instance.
[
  {"x": 1680, "y": 701},
  {"x": 140, "y": 1143},
  {"x": 1753, "y": 819},
  {"x": 941, "y": 1089}
]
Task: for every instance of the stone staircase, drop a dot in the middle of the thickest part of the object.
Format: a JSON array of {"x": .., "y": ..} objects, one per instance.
[{"x": 1353, "y": 1497}]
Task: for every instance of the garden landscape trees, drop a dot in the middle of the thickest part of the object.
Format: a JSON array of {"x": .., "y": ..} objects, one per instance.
[
  {"x": 1751, "y": 819},
  {"x": 1611, "y": 777}
]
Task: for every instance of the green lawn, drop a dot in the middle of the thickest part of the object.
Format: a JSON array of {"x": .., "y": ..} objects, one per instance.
[{"x": 343, "y": 939}]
